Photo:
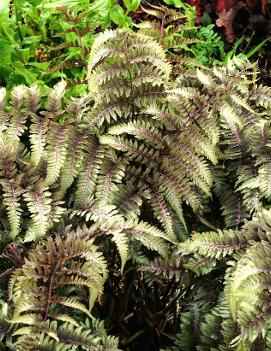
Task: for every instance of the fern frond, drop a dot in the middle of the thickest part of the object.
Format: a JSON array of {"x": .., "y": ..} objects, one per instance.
[
  {"x": 90, "y": 167},
  {"x": 141, "y": 130},
  {"x": 38, "y": 130},
  {"x": 36, "y": 285},
  {"x": 38, "y": 200},
  {"x": 12, "y": 192},
  {"x": 246, "y": 292},
  {"x": 112, "y": 171},
  {"x": 122, "y": 242},
  {"x": 128, "y": 198},
  {"x": 66, "y": 337},
  {"x": 53, "y": 104},
  {"x": 247, "y": 280},
  {"x": 133, "y": 149},
  {"x": 74, "y": 157},
  {"x": 190, "y": 324},
  {"x": 18, "y": 116},
  {"x": 162, "y": 210},
  {"x": 217, "y": 244},
  {"x": 32, "y": 102},
  {"x": 56, "y": 150}
]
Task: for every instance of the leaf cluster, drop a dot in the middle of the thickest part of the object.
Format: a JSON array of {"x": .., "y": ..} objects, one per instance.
[{"x": 42, "y": 41}]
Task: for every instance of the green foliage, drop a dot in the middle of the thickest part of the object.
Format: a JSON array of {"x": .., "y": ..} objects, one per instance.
[
  {"x": 177, "y": 4},
  {"x": 42, "y": 41},
  {"x": 110, "y": 12},
  {"x": 173, "y": 29},
  {"x": 131, "y": 5},
  {"x": 212, "y": 51},
  {"x": 186, "y": 44}
]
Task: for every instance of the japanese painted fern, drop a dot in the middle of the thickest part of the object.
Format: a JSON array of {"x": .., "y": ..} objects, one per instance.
[{"x": 132, "y": 161}]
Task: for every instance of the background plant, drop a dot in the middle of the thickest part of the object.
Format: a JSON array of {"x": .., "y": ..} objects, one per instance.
[{"x": 43, "y": 41}]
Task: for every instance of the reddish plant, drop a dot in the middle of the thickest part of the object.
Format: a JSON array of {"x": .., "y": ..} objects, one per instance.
[
  {"x": 224, "y": 5},
  {"x": 197, "y": 4},
  {"x": 227, "y": 11}
]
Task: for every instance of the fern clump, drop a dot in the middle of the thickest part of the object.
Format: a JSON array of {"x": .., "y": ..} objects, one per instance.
[
  {"x": 114, "y": 181},
  {"x": 41, "y": 292},
  {"x": 246, "y": 297},
  {"x": 55, "y": 168},
  {"x": 147, "y": 124}
]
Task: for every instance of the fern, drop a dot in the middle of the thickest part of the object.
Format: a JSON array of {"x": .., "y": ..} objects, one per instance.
[
  {"x": 109, "y": 222},
  {"x": 247, "y": 281},
  {"x": 169, "y": 27},
  {"x": 130, "y": 170},
  {"x": 90, "y": 336},
  {"x": 211, "y": 51},
  {"x": 23, "y": 173},
  {"x": 38, "y": 200},
  {"x": 145, "y": 141},
  {"x": 190, "y": 324},
  {"x": 39, "y": 289}
]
